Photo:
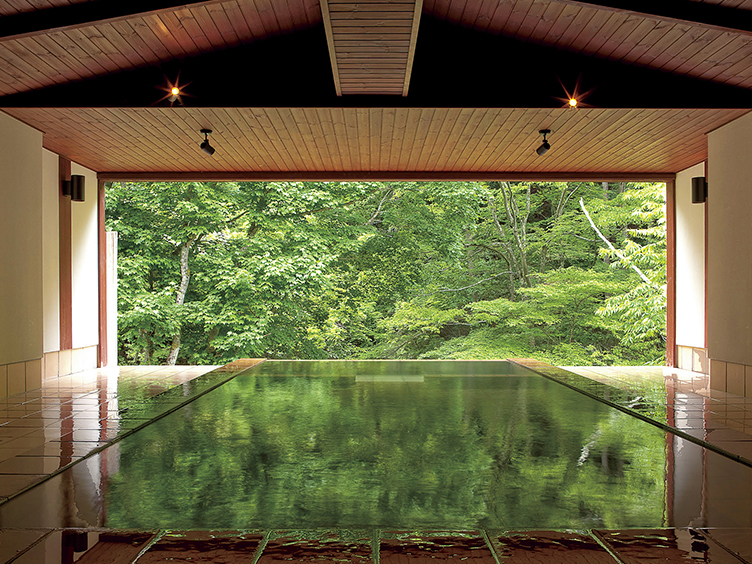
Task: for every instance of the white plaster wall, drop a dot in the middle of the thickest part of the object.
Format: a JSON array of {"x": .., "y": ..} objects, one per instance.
[
  {"x": 84, "y": 267},
  {"x": 21, "y": 335},
  {"x": 730, "y": 242},
  {"x": 690, "y": 262},
  {"x": 51, "y": 250}
]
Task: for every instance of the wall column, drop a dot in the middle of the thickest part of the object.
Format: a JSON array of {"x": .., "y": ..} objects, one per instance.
[
  {"x": 730, "y": 257},
  {"x": 66, "y": 291}
]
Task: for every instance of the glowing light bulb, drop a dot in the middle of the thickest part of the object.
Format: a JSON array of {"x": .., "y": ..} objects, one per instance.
[
  {"x": 572, "y": 102},
  {"x": 175, "y": 91}
]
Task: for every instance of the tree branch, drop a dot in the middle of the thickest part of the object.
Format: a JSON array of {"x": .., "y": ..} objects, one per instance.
[
  {"x": 237, "y": 217},
  {"x": 617, "y": 252},
  {"x": 387, "y": 196},
  {"x": 471, "y": 285}
]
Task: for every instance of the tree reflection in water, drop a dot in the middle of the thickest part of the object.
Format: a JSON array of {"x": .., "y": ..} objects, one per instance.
[{"x": 310, "y": 445}]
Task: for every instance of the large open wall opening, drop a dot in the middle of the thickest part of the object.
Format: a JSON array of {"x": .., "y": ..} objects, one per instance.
[{"x": 570, "y": 272}]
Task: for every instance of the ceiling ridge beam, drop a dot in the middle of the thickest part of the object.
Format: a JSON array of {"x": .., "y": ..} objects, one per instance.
[
  {"x": 84, "y": 14},
  {"x": 688, "y": 12}
]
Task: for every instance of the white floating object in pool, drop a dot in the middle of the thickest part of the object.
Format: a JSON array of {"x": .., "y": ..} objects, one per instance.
[{"x": 379, "y": 378}]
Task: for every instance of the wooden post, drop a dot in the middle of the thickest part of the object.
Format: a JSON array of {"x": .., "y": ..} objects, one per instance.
[
  {"x": 671, "y": 273},
  {"x": 102, "y": 270}
]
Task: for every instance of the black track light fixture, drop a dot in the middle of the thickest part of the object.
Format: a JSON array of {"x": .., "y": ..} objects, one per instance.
[
  {"x": 205, "y": 146},
  {"x": 545, "y": 146}
]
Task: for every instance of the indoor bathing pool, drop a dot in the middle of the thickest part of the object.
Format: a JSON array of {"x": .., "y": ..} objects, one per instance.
[{"x": 443, "y": 445}]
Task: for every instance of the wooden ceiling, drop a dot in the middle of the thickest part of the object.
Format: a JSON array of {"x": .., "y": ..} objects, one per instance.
[
  {"x": 44, "y": 58},
  {"x": 423, "y": 143},
  {"x": 701, "y": 49},
  {"x": 379, "y": 103}
]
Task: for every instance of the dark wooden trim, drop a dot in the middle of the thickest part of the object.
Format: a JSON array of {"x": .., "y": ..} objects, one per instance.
[
  {"x": 707, "y": 15},
  {"x": 705, "y": 253},
  {"x": 671, "y": 273},
  {"x": 102, "y": 265},
  {"x": 82, "y": 14},
  {"x": 66, "y": 290},
  {"x": 319, "y": 176}
]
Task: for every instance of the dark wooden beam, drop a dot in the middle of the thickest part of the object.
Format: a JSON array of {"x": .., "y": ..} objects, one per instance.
[
  {"x": 82, "y": 14},
  {"x": 167, "y": 176},
  {"x": 689, "y": 12}
]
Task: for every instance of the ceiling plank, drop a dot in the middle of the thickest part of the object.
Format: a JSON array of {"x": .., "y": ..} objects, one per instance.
[
  {"x": 711, "y": 16},
  {"x": 83, "y": 14}
]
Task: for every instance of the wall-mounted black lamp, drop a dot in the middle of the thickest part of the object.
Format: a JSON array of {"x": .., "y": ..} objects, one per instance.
[
  {"x": 699, "y": 190},
  {"x": 75, "y": 188},
  {"x": 545, "y": 146}
]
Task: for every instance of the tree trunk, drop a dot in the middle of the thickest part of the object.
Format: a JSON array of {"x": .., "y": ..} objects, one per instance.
[
  {"x": 518, "y": 227},
  {"x": 564, "y": 197},
  {"x": 185, "y": 278}
]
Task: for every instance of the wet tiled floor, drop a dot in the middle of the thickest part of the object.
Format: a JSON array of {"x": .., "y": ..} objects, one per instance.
[
  {"x": 46, "y": 430},
  {"x": 672, "y": 546},
  {"x": 72, "y": 417},
  {"x": 674, "y": 399}
]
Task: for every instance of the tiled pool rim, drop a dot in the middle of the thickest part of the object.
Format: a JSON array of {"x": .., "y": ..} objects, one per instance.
[
  {"x": 623, "y": 400},
  {"x": 158, "y": 406}
]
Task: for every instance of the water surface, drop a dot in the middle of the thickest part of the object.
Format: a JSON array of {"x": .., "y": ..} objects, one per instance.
[{"x": 447, "y": 445}]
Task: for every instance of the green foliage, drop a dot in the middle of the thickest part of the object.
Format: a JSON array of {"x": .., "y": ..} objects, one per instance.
[
  {"x": 400, "y": 270},
  {"x": 640, "y": 311}
]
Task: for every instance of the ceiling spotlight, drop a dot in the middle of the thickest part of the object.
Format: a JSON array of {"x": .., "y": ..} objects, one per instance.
[
  {"x": 545, "y": 146},
  {"x": 573, "y": 102},
  {"x": 174, "y": 94},
  {"x": 205, "y": 147}
]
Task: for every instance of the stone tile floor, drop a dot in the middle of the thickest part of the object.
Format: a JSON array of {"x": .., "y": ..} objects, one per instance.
[
  {"x": 45, "y": 431},
  {"x": 374, "y": 546}
]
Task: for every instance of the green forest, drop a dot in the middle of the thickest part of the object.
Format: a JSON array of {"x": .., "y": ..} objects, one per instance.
[{"x": 569, "y": 273}]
